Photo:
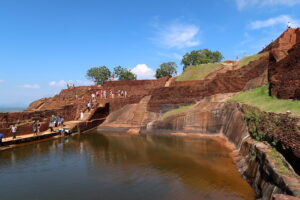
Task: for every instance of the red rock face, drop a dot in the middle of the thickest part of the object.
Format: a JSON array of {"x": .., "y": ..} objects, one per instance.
[
  {"x": 284, "y": 76},
  {"x": 280, "y": 47}
]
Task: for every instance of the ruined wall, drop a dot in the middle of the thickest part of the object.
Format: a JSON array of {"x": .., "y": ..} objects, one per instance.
[
  {"x": 189, "y": 92},
  {"x": 284, "y": 76}
]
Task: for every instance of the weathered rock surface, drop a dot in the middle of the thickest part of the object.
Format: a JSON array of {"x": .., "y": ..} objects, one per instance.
[
  {"x": 131, "y": 115},
  {"x": 260, "y": 170},
  {"x": 206, "y": 118},
  {"x": 280, "y": 47},
  {"x": 284, "y": 76},
  {"x": 284, "y": 197}
]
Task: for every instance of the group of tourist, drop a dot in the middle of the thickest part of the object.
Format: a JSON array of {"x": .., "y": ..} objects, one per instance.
[
  {"x": 103, "y": 94},
  {"x": 56, "y": 122},
  {"x": 69, "y": 86},
  {"x": 36, "y": 126}
]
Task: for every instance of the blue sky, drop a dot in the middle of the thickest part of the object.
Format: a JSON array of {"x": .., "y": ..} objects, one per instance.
[{"x": 46, "y": 43}]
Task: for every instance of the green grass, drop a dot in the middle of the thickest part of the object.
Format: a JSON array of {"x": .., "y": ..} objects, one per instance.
[
  {"x": 198, "y": 72},
  {"x": 259, "y": 98},
  {"x": 246, "y": 60},
  {"x": 279, "y": 164},
  {"x": 176, "y": 111}
]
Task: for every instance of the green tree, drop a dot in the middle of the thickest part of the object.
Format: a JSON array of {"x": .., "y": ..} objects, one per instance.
[
  {"x": 167, "y": 69},
  {"x": 124, "y": 74},
  {"x": 127, "y": 75},
  {"x": 202, "y": 56},
  {"x": 118, "y": 71},
  {"x": 98, "y": 74}
]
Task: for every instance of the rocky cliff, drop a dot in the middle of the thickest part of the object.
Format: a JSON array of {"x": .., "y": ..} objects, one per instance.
[
  {"x": 284, "y": 76},
  {"x": 286, "y": 41}
]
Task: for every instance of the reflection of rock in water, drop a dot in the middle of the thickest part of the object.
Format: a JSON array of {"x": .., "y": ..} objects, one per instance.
[
  {"x": 198, "y": 162},
  {"x": 143, "y": 166}
]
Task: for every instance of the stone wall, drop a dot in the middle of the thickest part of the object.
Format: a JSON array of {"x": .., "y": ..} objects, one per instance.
[
  {"x": 280, "y": 130},
  {"x": 284, "y": 76}
]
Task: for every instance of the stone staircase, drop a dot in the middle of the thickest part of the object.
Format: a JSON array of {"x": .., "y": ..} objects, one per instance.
[{"x": 139, "y": 113}]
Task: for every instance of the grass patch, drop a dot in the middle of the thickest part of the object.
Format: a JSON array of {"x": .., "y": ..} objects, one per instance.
[
  {"x": 176, "y": 111},
  {"x": 279, "y": 164},
  {"x": 260, "y": 98},
  {"x": 246, "y": 60},
  {"x": 198, "y": 72}
]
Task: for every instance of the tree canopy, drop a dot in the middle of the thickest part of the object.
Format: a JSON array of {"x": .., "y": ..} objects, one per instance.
[
  {"x": 202, "y": 56},
  {"x": 167, "y": 69},
  {"x": 124, "y": 74},
  {"x": 98, "y": 74}
]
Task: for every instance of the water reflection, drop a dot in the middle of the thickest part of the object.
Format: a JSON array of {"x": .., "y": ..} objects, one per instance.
[{"x": 114, "y": 166}]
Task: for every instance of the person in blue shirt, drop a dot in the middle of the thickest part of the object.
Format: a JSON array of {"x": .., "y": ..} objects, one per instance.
[{"x": 1, "y": 137}]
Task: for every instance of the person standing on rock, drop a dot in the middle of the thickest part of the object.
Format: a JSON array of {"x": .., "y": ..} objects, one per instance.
[
  {"x": 51, "y": 126},
  {"x": 89, "y": 106},
  {"x": 125, "y": 93},
  {"x": 54, "y": 119},
  {"x": 34, "y": 127},
  {"x": 112, "y": 94},
  {"x": 38, "y": 125},
  {"x": 62, "y": 120},
  {"x": 1, "y": 137},
  {"x": 14, "y": 131},
  {"x": 81, "y": 115}
]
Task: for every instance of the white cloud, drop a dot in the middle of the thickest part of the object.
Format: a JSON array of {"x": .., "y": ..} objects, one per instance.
[
  {"x": 30, "y": 86},
  {"x": 1, "y": 81},
  {"x": 63, "y": 83},
  {"x": 177, "y": 35},
  {"x": 241, "y": 4},
  {"x": 143, "y": 71},
  {"x": 280, "y": 20}
]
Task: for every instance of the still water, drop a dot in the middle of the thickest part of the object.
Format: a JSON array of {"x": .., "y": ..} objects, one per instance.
[{"x": 119, "y": 166}]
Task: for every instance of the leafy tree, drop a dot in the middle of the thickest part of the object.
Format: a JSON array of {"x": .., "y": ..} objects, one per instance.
[
  {"x": 98, "y": 74},
  {"x": 124, "y": 74},
  {"x": 202, "y": 56},
  {"x": 118, "y": 70},
  {"x": 127, "y": 75},
  {"x": 167, "y": 69}
]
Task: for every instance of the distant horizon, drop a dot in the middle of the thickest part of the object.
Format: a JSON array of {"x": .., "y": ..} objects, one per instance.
[{"x": 11, "y": 109}]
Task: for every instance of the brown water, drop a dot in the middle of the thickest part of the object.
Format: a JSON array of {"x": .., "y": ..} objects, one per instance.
[{"x": 114, "y": 166}]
